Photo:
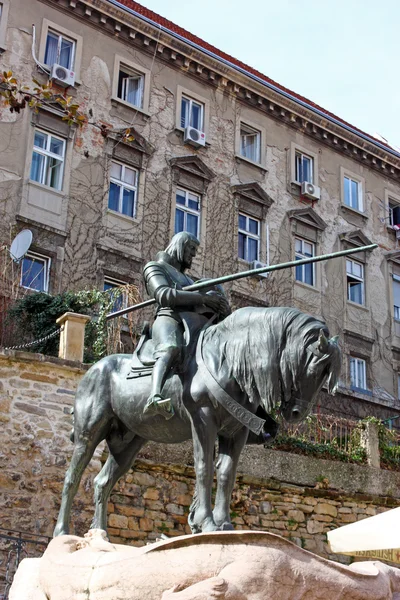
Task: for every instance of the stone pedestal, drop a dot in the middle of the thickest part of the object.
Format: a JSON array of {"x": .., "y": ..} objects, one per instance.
[{"x": 72, "y": 335}]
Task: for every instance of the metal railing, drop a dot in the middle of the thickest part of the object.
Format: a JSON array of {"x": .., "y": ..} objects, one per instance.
[
  {"x": 15, "y": 546},
  {"x": 324, "y": 429}
]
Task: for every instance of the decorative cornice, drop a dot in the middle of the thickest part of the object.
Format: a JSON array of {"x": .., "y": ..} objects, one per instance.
[
  {"x": 138, "y": 33},
  {"x": 355, "y": 238},
  {"x": 309, "y": 217},
  {"x": 253, "y": 191},
  {"x": 193, "y": 165}
]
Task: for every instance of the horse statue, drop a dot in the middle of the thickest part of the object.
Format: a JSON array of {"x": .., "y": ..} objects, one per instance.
[{"x": 254, "y": 361}]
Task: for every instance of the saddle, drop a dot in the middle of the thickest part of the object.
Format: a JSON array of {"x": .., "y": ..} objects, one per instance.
[{"x": 143, "y": 360}]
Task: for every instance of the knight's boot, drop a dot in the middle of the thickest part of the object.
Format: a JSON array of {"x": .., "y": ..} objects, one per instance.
[{"x": 156, "y": 403}]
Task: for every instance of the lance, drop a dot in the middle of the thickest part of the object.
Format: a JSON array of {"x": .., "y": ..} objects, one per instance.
[{"x": 206, "y": 283}]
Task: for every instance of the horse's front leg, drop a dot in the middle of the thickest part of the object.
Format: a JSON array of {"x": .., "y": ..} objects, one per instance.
[
  {"x": 204, "y": 432},
  {"x": 228, "y": 458}
]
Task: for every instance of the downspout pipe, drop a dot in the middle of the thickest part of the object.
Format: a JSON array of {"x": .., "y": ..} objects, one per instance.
[{"x": 258, "y": 79}]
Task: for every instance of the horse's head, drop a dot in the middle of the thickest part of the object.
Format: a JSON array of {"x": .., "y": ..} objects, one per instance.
[{"x": 321, "y": 362}]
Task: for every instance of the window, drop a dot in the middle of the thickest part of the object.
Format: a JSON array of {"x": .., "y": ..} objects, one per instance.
[
  {"x": 358, "y": 373},
  {"x": 355, "y": 281},
  {"x": 398, "y": 386},
  {"x": 130, "y": 86},
  {"x": 187, "y": 212},
  {"x": 48, "y": 159},
  {"x": 249, "y": 238},
  {"x": 59, "y": 50},
  {"x": 304, "y": 273},
  {"x": 396, "y": 296},
  {"x": 304, "y": 167},
  {"x": 35, "y": 272},
  {"x": 250, "y": 143},
  {"x": 394, "y": 213},
  {"x": 120, "y": 299},
  {"x": 192, "y": 113},
  {"x": 123, "y": 189},
  {"x": 353, "y": 194}
]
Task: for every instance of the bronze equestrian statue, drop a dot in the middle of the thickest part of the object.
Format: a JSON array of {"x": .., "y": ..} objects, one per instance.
[{"x": 220, "y": 380}]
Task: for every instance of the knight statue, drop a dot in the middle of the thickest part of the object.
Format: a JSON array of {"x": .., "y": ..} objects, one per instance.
[{"x": 164, "y": 279}]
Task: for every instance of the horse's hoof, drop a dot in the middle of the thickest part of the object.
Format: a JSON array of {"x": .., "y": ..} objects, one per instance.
[{"x": 226, "y": 527}]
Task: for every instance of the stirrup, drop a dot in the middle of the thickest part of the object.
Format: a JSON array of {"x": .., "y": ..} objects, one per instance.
[{"x": 158, "y": 405}]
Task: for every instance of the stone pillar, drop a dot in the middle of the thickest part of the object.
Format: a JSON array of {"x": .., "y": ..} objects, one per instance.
[
  {"x": 370, "y": 441},
  {"x": 72, "y": 335}
]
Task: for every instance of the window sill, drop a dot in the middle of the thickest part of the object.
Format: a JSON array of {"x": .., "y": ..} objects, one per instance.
[
  {"x": 355, "y": 305},
  {"x": 240, "y": 158},
  {"x": 118, "y": 101},
  {"x": 115, "y": 213},
  {"x": 46, "y": 188},
  {"x": 353, "y": 211},
  {"x": 307, "y": 286},
  {"x": 362, "y": 391}
]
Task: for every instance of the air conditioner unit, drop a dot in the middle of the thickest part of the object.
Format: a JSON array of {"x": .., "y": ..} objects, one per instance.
[
  {"x": 62, "y": 76},
  {"x": 195, "y": 137},
  {"x": 310, "y": 190},
  {"x": 256, "y": 264}
]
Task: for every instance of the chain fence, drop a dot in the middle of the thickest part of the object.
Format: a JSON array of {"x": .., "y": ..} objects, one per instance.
[{"x": 35, "y": 342}]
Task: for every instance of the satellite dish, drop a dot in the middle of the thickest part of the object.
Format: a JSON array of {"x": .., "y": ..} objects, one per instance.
[{"x": 21, "y": 245}]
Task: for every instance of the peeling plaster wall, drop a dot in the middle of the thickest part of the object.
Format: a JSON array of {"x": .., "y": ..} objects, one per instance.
[{"x": 91, "y": 238}]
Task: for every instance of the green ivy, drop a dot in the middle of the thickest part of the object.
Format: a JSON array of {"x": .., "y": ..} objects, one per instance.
[
  {"x": 328, "y": 451},
  {"x": 34, "y": 316}
]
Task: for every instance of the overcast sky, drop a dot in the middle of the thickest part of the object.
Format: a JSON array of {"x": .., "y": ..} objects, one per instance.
[{"x": 341, "y": 54}]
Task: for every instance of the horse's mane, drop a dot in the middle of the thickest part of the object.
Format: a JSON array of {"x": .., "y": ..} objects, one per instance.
[{"x": 264, "y": 348}]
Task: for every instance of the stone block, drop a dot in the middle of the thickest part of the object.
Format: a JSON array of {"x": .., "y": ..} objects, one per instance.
[
  {"x": 146, "y": 524},
  {"x": 323, "y": 508},
  {"x": 143, "y": 479},
  {"x": 296, "y": 515},
  {"x": 118, "y": 521},
  {"x": 151, "y": 494},
  {"x": 314, "y": 527},
  {"x": 174, "y": 509},
  {"x": 348, "y": 518},
  {"x": 265, "y": 507}
]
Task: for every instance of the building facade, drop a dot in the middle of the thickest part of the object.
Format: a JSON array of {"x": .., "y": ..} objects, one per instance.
[{"x": 258, "y": 173}]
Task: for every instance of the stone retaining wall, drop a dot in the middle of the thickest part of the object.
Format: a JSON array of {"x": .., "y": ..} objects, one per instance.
[{"x": 275, "y": 491}]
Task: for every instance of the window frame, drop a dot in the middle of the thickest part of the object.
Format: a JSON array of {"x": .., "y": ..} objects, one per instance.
[
  {"x": 116, "y": 283},
  {"x": 248, "y": 235},
  {"x": 355, "y": 278},
  {"x": 353, "y": 383},
  {"x": 46, "y": 260},
  {"x": 68, "y": 34},
  {"x": 344, "y": 173},
  {"x": 252, "y": 131},
  {"x": 48, "y": 154},
  {"x": 187, "y": 210},
  {"x": 123, "y": 185},
  {"x": 394, "y": 200},
  {"x": 5, "y": 6},
  {"x": 300, "y": 154},
  {"x": 396, "y": 313},
  {"x": 192, "y": 101},
  {"x": 302, "y": 255},
  {"x": 61, "y": 36},
  {"x": 295, "y": 150},
  {"x": 121, "y": 63},
  {"x": 181, "y": 91},
  {"x": 131, "y": 74}
]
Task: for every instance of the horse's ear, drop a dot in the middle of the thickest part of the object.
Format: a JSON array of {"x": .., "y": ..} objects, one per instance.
[
  {"x": 323, "y": 343},
  {"x": 334, "y": 340}
]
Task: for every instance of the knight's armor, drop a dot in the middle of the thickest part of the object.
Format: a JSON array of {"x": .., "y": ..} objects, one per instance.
[{"x": 164, "y": 282}]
